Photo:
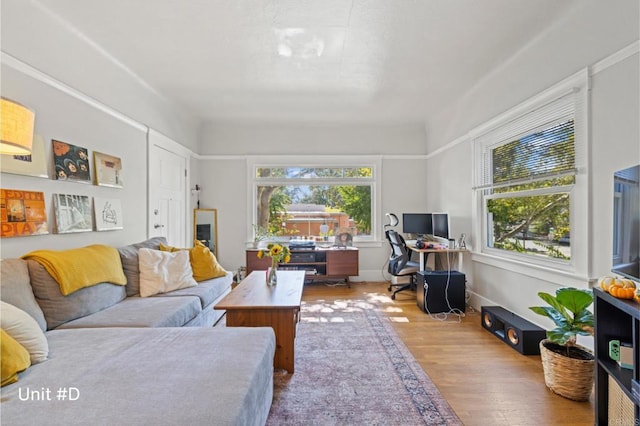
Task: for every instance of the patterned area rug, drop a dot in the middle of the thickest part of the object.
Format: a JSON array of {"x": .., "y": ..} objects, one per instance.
[{"x": 353, "y": 369}]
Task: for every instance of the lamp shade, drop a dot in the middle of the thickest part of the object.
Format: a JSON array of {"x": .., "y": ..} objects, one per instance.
[{"x": 16, "y": 124}]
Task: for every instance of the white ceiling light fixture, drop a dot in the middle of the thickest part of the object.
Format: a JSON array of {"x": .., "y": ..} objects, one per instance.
[
  {"x": 16, "y": 124},
  {"x": 298, "y": 43}
]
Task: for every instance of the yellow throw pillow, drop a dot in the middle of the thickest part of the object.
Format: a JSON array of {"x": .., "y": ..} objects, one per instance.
[
  {"x": 14, "y": 358},
  {"x": 204, "y": 263},
  {"x": 169, "y": 248}
]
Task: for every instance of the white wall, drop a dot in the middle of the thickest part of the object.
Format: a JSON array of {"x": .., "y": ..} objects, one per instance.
[
  {"x": 37, "y": 37},
  {"x": 301, "y": 139},
  {"x": 592, "y": 32},
  {"x": 65, "y": 118},
  {"x": 73, "y": 88},
  {"x": 225, "y": 186}
]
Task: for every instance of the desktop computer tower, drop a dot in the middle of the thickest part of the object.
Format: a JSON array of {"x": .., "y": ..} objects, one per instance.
[{"x": 444, "y": 291}]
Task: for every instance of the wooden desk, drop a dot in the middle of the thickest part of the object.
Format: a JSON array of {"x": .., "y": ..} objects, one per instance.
[
  {"x": 424, "y": 253},
  {"x": 255, "y": 304}
]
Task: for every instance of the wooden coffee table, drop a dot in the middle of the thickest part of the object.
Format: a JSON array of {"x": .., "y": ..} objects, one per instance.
[{"x": 254, "y": 304}]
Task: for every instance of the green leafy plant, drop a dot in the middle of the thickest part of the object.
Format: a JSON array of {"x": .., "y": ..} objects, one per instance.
[
  {"x": 568, "y": 310},
  {"x": 260, "y": 233}
]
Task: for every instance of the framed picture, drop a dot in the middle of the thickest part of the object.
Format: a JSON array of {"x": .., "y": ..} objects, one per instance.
[
  {"x": 73, "y": 213},
  {"x": 22, "y": 213},
  {"x": 108, "y": 213},
  {"x": 108, "y": 170},
  {"x": 34, "y": 164},
  {"x": 344, "y": 239},
  {"x": 70, "y": 162}
]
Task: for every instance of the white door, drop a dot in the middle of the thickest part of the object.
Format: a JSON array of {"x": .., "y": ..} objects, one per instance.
[{"x": 167, "y": 189}]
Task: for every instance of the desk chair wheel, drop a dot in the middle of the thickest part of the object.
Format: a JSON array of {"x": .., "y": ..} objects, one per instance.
[{"x": 389, "y": 288}]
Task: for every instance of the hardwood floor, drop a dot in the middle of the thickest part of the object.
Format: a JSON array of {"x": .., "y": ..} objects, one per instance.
[{"x": 485, "y": 381}]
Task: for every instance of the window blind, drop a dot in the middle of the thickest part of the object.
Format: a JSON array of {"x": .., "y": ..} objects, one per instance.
[{"x": 537, "y": 146}]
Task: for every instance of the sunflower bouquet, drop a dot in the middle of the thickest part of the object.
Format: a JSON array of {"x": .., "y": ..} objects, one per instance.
[{"x": 278, "y": 254}]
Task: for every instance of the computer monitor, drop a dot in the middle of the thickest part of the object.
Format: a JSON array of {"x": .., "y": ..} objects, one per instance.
[
  {"x": 417, "y": 223},
  {"x": 440, "y": 223}
]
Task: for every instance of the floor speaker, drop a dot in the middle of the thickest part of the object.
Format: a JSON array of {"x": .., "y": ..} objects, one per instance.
[
  {"x": 441, "y": 291},
  {"x": 515, "y": 331}
]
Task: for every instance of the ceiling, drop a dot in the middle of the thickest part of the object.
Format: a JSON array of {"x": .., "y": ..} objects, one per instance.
[{"x": 321, "y": 61}]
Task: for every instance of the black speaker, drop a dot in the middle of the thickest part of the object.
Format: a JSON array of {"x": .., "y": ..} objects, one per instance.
[
  {"x": 441, "y": 291},
  {"x": 515, "y": 331}
]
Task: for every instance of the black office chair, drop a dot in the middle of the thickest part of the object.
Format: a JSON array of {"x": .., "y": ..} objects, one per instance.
[{"x": 400, "y": 263}]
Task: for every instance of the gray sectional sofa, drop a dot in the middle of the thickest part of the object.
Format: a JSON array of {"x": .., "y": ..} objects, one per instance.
[{"x": 128, "y": 360}]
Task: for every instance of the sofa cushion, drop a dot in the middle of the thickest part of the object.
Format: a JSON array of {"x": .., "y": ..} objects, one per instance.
[
  {"x": 168, "y": 376},
  {"x": 206, "y": 291},
  {"x": 14, "y": 358},
  {"x": 59, "y": 309},
  {"x": 142, "y": 312},
  {"x": 204, "y": 263},
  {"x": 161, "y": 272},
  {"x": 78, "y": 268},
  {"x": 23, "y": 328},
  {"x": 15, "y": 288},
  {"x": 130, "y": 265}
]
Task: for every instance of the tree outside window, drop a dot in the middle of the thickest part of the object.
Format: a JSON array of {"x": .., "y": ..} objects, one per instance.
[
  {"x": 528, "y": 206},
  {"x": 314, "y": 201}
]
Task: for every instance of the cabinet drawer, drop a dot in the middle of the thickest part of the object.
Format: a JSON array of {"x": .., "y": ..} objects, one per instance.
[
  {"x": 342, "y": 262},
  {"x": 256, "y": 264}
]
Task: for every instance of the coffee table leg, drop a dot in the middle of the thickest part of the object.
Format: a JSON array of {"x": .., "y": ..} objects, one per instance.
[{"x": 283, "y": 322}]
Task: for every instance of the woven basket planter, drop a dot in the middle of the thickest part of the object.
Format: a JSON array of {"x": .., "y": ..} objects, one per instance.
[{"x": 568, "y": 377}]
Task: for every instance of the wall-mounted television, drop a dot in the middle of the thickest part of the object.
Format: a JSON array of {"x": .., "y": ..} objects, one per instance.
[{"x": 626, "y": 223}]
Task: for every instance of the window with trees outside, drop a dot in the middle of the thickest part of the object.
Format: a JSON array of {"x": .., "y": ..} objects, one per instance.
[
  {"x": 525, "y": 175},
  {"x": 318, "y": 202}
]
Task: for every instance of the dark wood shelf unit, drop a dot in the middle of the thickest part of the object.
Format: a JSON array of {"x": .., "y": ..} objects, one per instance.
[
  {"x": 615, "y": 319},
  {"x": 328, "y": 263}
]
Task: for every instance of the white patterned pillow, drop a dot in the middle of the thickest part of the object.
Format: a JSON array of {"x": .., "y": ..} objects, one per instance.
[{"x": 161, "y": 271}]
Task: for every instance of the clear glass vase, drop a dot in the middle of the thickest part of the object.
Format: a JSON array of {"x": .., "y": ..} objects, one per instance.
[{"x": 272, "y": 277}]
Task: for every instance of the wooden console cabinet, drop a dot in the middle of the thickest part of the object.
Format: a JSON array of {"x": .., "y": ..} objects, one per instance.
[{"x": 319, "y": 264}]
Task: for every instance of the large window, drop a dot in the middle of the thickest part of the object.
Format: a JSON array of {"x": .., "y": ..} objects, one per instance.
[
  {"x": 316, "y": 201},
  {"x": 525, "y": 178}
]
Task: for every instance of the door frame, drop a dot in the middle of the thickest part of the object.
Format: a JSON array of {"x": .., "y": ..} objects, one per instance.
[{"x": 158, "y": 139}]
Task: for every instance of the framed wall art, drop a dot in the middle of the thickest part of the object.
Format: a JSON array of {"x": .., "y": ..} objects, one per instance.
[
  {"x": 70, "y": 162},
  {"x": 22, "y": 213},
  {"x": 108, "y": 170},
  {"x": 73, "y": 213},
  {"x": 108, "y": 214},
  {"x": 34, "y": 164}
]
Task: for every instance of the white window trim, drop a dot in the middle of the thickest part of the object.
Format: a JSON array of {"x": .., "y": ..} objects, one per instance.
[
  {"x": 576, "y": 272},
  {"x": 373, "y": 161}
]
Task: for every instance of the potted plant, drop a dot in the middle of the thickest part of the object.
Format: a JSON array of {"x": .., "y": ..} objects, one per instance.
[
  {"x": 259, "y": 234},
  {"x": 568, "y": 367}
]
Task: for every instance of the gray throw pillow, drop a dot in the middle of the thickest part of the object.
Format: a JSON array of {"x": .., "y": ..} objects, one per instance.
[
  {"x": 129, "y": 258},
  {"x": 15, "y": 289}
]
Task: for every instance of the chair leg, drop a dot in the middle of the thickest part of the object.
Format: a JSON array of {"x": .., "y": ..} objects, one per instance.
[{"x": 410, "y": 286}]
